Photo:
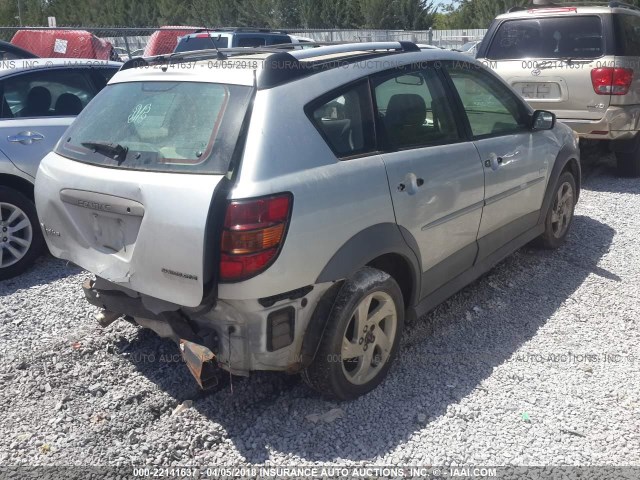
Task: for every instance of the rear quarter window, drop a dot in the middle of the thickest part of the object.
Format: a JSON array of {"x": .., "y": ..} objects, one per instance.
[
  {"x": 548, "y": 37},
  {"x": 345, "y": 120},
  {"x": 627, "y": 29}
]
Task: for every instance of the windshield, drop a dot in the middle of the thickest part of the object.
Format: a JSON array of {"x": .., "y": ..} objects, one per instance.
[
  {"x": 551, "y": 37},
  {"x": 468, "y": 46},
  {"x": 162, "y": 126}
]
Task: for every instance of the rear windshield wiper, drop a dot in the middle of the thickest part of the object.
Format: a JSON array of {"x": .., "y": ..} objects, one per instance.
[{"x": 111, "y": 150}]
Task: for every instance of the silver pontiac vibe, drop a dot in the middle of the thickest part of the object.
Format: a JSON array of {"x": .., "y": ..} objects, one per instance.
[{"x": 274, "y": 209}]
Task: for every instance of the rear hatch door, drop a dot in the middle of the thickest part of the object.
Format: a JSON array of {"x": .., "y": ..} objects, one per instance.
[
  {"x": 548, "y": 60},
  {"x": 128, "y": 192}
]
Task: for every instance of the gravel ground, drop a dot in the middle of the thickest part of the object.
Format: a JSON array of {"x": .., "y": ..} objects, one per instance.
[{"x": 537, "y": 363}]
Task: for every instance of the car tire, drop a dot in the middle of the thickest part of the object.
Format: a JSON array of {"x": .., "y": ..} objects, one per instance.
[
  {"x": 351, "y": 362},
  {"x": 628, "y": 163},
  {"x": 559, "y": 218},
  {"x": 18, "y": 248}
]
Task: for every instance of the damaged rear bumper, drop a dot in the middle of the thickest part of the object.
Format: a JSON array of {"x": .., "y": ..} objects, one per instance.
[
  {"x": 238, "y": 336},
  {"x": 197, "y": 349}
]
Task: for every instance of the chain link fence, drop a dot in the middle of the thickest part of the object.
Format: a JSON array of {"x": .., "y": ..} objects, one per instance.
[{"x": 118, "y": 43}]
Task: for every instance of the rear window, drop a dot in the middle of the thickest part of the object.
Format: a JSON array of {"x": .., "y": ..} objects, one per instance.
[
  {"x": 548, "y": 37},
  {"x": 201, "y": 42},
  {"x": 627, "y": 28},
  {"x": 160, "y": 126}
]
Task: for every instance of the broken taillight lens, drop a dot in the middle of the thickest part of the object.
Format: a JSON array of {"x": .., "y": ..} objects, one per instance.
[
  {"x": 253, "y": 233},
  {"x": 611, "y": 81}
]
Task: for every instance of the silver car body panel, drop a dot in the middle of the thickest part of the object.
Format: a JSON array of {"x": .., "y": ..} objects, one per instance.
[
  {"x": 39, "y": 136},
  {"x": 141, "y": 249}
]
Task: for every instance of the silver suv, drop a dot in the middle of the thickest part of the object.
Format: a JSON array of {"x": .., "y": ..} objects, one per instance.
[
  {"x": 274, "y": 210},
  {"x": 580, "y": 62},
  {"x": 40, "y": 98}
]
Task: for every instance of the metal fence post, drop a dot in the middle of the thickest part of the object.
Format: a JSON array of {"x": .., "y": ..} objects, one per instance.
[{"x": 126, "y": 45}]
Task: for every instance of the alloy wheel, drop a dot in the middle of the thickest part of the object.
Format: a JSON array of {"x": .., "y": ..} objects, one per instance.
[
  {"x": 369, "y": 337},
  {"x": 562, "y": 210},
  {"x": 16, "y": 234}
]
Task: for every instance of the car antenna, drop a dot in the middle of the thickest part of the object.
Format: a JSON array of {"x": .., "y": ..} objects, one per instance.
[{"x": 220, "y": 55}]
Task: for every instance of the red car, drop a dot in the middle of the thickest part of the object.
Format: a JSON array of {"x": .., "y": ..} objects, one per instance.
[
  {"x": 164, "y": 41},
  {"x": 63, "y": 44}
]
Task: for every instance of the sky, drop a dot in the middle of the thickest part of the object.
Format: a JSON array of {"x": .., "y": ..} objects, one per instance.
[{"x": 443, "y": 2}]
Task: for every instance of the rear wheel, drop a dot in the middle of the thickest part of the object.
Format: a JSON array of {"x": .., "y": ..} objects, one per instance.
[
  {"x": 560, "y": 214},
  {"x": 361, "y": 337},
  {"x": 21, "y": 241}
]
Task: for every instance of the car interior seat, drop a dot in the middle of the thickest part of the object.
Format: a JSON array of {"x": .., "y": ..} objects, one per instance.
[{"x": 68, "y": 104}]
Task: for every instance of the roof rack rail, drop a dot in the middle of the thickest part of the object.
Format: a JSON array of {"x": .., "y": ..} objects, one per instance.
[
  {"x": 241, "y": 30},
  {"x": 623, "y": 5},
  {"x": 586, "y": 3},
  {"x": 280, "y": 66},
  {"x": 327, "y": 49}
]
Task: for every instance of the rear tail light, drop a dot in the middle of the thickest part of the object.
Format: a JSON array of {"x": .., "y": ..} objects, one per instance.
[
  {"x": 611, "y": 81},
  {"x": 253, "y": 233}
]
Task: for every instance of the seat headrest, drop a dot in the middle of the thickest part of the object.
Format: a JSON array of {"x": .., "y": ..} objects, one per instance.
[
  {"x": 68, "y": 104},
  {"x": 406, "y": 109},
  {"x": 39, "y": 100}
]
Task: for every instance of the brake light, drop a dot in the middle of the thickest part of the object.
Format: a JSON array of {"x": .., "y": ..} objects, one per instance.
[
  {"x": 253, "y": 233},
  {"x": 202, "y": 35},
  {"x": 611, "y": 81},
  {"x": 553, "y": 10}
]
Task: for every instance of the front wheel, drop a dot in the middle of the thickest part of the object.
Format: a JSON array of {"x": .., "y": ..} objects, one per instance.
[
  {"x": 361, "y": 338},
  {"x": 21, "y": 240},
  {"x": 560, "y": 215}
]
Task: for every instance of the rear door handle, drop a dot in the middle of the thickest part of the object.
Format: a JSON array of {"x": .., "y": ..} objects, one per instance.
[{"x": 26, "y": 138}]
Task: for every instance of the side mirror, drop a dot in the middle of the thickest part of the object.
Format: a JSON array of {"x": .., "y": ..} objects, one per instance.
[{"x": 543, "y": 120}]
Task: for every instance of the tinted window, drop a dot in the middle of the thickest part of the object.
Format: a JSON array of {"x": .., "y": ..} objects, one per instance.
[
  {"x": 6, "y": 55},
  {"x": 550, "y": 37},
  {"x": 413, "y": 110},
  {"x": 279, "y": 39},
  {"x": 346, "y": 121},
  {"x": 101, "y": 76},
  {"x": 243, "y": 41},
  {"x": 201, "y": 42},
  {"x": 627, "y": 28},
  {"x": 491, "y": 107},
  {"x": 46, "y": 94},
  {"x": 169, "y": 126}
]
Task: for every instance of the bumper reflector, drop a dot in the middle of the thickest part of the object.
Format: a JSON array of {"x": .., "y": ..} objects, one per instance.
[{"x": 280, "y": 328}]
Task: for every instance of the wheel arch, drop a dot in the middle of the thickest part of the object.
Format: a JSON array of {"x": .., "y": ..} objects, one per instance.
[
  {"x": 19, "y": 184},
  {"x": 573, "y": 166},
  {"x": 568, "y": 159},
  {"x": 385, "y": 246}
]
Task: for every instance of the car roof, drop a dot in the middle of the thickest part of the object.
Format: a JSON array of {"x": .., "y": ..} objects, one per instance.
[
  {"x": 568, "y": 10},
  {"x": 10, "y": 67},
  {"x": 239, "y": 31},
  {"x": 269, "y": 67}
]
